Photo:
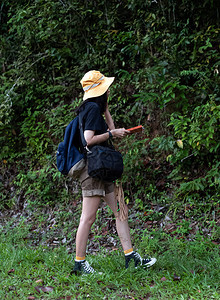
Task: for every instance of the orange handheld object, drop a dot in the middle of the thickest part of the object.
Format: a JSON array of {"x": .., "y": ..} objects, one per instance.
[{"x": 136, "y": 129}]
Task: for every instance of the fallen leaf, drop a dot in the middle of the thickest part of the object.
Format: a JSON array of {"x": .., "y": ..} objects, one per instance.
[
  {"x": 39, "y": 281},
  {"x": 31, "y": 298},
  {"x": 45, "y": 289},
  {"x": 37, "y": 288},
  {"x": 54, "y": 278},
  {"x": 100, "y": 281},
  {"x": 214, "y": 242},
  {"x": 149, "y": 222},
  {"x": 64, "y": 240},
  {"x": 11, "y": 271},
  {"x": 163, "y": 279}
]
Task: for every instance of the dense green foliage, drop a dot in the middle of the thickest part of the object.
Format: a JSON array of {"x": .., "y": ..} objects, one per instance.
[{"x": 165, "y": 57}]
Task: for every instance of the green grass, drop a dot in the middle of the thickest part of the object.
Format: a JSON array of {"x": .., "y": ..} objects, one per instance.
[{"x": 188, "y": 269}]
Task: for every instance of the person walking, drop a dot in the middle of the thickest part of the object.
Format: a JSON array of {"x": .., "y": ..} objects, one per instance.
[{"x": 99, "y": 130}]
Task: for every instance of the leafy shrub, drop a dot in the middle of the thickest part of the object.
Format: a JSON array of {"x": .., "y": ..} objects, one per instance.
[
  {"x": 45, "y": 187},
  {"x": 166, "y": 61}
]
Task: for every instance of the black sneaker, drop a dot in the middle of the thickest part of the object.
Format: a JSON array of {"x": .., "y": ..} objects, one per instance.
[
  {"x": 83, "y": 267},
  {"x": 138, "y": 260}
]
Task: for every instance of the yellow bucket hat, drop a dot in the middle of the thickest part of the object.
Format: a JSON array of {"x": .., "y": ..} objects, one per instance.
[{"x": 95, "y": 84}]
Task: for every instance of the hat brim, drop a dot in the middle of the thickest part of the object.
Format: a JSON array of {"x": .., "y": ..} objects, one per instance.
[{"x": 99, "y": 89}]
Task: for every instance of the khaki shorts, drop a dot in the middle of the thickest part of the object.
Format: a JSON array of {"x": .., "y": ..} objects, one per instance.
[{"x": 94, "y": 187}]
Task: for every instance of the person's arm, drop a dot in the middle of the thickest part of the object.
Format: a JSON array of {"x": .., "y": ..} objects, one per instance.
[
  {"x": 93, "y": 139},
  {"x": 108, "y": 119}
]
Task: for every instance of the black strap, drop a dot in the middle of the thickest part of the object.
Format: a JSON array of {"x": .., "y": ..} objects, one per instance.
[
  {"x": 84, "y": 143},
  {"x": 81, "y": 129}
]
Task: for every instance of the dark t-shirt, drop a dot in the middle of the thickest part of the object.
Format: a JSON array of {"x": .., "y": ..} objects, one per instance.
[{"x": 93, "y": 119}]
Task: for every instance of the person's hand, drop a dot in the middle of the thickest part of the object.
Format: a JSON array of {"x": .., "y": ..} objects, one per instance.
[{"x": 120, "y": 132}]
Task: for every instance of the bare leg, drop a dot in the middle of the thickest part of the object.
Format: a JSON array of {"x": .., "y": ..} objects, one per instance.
[
  {"x": 122, "y": 227},
  {"x": 89, "y": 208}
]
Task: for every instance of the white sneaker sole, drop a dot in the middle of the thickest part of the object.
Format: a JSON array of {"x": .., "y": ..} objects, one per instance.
[{"x": 150, "y": 263}]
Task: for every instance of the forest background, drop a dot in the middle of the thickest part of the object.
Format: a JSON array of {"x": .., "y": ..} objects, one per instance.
[{"x": 165, "y": 57}]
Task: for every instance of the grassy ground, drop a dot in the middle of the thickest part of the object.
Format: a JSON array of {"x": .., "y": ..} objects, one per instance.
[{"x": 184, "y": 270}]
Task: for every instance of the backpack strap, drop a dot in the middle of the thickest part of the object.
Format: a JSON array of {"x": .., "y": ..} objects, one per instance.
[{"x": 81, "y": 130}]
